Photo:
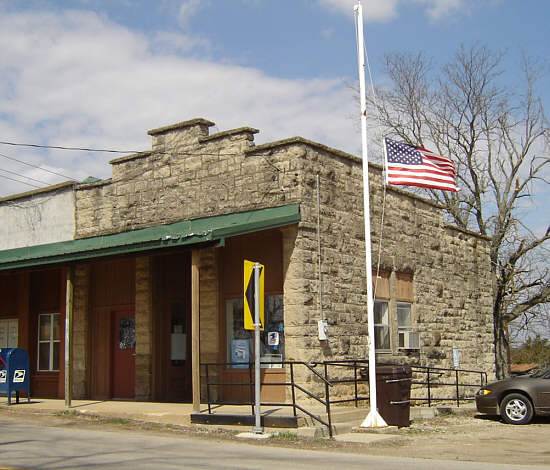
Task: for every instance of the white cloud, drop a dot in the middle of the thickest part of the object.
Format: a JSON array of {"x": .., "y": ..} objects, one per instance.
[
  {"x": 173, "y": 42},
  {"x": 77, "y": 79},
  {"x": 386, "y": 10},
  {"x": 328, "y": 33},
  {"x": 439, "y": 8},
  {"x": 187, "y": 10},
  {"x": 373, "y": 10}
]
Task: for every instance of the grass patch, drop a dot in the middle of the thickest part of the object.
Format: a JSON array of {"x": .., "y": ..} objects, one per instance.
[
  {"x": 286, "y": 436},
  {"x": 90, "y": 417}
]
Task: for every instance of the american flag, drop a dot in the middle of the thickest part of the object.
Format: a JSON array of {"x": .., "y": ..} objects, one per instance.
[{"x": 417, "y": 166}]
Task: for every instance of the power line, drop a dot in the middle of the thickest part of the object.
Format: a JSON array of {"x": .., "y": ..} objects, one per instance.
[
  {"x": 85, "y": 149},
  {"x": 23, "y": 182},
  {"x": 60, "y": 147},
  {"x": 36, "y": 166},
  {"x": 24, "y": 176}
]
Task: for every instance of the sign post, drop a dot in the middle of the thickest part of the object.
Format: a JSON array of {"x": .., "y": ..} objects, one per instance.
[
  {"x": 254, "y": 301},
  {"x": 257, "y": 376}
]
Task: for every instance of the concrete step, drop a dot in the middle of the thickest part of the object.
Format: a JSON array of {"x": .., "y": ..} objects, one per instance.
[
  {"x": 338, "y": 415},
  {"x": 425, "y": 412},
  {"x": 347, "y": 421},
  {"x": 319, "y": 431}
]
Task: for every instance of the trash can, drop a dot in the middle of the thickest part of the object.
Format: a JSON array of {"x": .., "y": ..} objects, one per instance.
[{"x": 393, "y": 391}]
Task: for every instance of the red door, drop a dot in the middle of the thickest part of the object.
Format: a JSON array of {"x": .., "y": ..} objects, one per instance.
[{"x": 123, "y": 354}]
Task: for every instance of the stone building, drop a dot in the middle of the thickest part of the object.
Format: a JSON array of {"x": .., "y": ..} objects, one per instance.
[{"x": 155, "y": 266}]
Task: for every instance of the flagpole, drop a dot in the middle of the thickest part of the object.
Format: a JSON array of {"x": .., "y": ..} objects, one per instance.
[
  {"x": 385, "y": 161},
  {"x": 373, "y": 419}
]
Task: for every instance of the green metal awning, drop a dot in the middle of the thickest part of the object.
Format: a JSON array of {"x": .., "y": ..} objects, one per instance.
[{"x": 188, "y": 232}]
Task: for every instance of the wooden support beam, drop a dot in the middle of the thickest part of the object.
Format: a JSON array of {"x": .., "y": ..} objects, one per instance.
[
  {"x": 195, "y": 330},
  {"x": 69, "y": 337}
]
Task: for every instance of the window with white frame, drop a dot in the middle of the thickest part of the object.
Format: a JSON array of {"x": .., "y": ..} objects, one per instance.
[
  {"x": 381, "y": 325},
  {"x": 48, "y": 342},
  {"x": 240, "y": 344},
  {"x": 408, "y": 338},
  {"x": 9, "y": 331}
]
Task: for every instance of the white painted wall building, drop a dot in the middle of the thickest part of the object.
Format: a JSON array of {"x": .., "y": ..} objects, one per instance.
[{"x": 37, "y": 217}]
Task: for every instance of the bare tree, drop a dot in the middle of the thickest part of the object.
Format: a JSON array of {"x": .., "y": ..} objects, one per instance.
[
  {"x": 500, "y": 141},
  {"x": 530, "y": 324}
]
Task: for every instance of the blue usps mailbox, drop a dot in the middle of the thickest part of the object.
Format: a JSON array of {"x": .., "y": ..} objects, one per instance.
[{"x": 14, "y": 373}]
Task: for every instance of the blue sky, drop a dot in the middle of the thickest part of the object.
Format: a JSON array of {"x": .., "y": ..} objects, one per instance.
[{"x": 99, "y": 73}]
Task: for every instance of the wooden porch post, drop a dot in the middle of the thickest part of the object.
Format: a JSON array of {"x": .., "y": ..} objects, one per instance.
[
  {"x": 195, "y": 330},
  {"x": 69, "y": 337}
]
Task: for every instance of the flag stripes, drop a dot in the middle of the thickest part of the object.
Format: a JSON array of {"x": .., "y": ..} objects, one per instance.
[{"x": 416, "y": 166}]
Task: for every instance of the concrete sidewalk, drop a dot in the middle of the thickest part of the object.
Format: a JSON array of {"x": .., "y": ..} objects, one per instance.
[
  {"x": 179, "y": 414},
  {"x": 154, "y": 412},
  {"x": 345, "y": 419}
]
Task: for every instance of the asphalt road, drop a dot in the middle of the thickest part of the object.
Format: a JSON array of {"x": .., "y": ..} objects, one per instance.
[{"x": 24, "y": 445}]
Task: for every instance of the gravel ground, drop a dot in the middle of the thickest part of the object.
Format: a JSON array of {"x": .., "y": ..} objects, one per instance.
[{"x": 472, "y": 438}]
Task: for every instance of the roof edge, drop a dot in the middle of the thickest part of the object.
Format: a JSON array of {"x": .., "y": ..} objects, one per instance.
[
  {"x": 297, "y": 140},
  {"x": 182, "y": 233},
  {"x": 467, "y": 232},
  {"x": 303, "y": 141},
  {"x": 181, "y": 125},
  {"x": 132, "y": 156},
  {"x": 229, "y": 133},
  {"x": 93, "y": 185},
  {"x": 47, "y": 189}
]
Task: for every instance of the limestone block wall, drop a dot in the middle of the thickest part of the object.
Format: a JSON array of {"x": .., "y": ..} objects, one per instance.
[
  {"x": 144, "y": 328},
  {"x": 190, "y": 173},
  {"x": 450, "y": 268},
  {"x": 209, "y": 305},
  {"x": 80, "y": 331},
  {"x": 187, "y": 177},
  {"x": 209, "y": 315}
]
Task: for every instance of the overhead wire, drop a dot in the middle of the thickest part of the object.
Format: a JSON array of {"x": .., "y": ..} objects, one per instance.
[
  {"x": 92, "y": 150},
  {"x": 24, "y": 176},
  {"x": 375, "y": 99},
  {"x": 384, "y": 176},
  {"x": 36, "y": 166},
  {"x": 23, "y": 182},
  {"x": 61, "y": 147}
]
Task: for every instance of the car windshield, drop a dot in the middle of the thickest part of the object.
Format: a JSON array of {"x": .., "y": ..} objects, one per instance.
[{"x": 541, "y": 373}]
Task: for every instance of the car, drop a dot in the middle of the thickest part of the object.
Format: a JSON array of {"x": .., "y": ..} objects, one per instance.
[{"x": 517, "y": 399}]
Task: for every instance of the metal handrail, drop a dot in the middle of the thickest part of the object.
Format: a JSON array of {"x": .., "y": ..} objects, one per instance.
[
  {"x": 294, "y": 386},
  {"x": 359, "y": 366},
  {"x": 441, "y": 371},
  {"x": 308, "y": 365}
]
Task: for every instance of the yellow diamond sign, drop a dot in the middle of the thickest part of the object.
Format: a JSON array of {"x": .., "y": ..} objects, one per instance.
[{"x": 249, "y": 300}]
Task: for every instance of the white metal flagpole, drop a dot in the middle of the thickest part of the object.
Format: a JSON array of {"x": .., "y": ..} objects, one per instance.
[{"x": 373, "y": 419}]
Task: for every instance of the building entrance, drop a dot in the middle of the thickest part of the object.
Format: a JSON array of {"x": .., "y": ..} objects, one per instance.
[
  {"x": 172, "y": 306},
  {"x": 123, "y": 352}
]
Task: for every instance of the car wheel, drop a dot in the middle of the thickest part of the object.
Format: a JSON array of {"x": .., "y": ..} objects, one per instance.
[{"x": 516, "y": 409}]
